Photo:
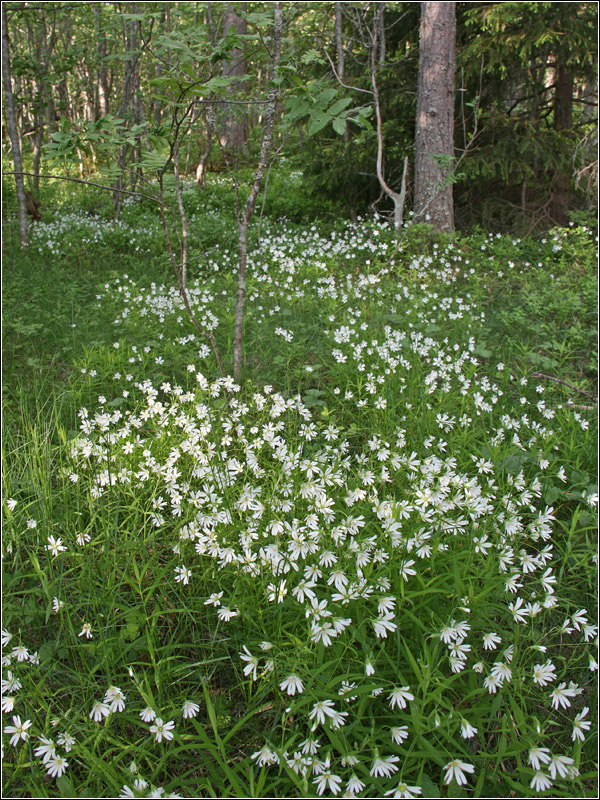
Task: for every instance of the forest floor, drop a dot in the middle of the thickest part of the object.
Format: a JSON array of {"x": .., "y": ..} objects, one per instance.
[{"x": 370, "y": 568}]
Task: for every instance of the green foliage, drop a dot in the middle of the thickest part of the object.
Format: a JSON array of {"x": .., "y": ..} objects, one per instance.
[{"x": 331, "y": 308}]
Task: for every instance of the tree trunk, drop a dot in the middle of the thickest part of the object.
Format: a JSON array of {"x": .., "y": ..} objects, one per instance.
[
  {"x": 434, "y": 135},
  {"x": 13, "y": 133},
  {"x": 101, "y": 73},
  {"x": 398, "y": 198},
  {"x": 267, "y": 137},
  {"x": 234, "y": 128},
  {"x": 563, "y": 124},
  {"x": 341, "y": 68},
  {"x": 381, "y": 32},
  {"x": 339, "y": 42}
]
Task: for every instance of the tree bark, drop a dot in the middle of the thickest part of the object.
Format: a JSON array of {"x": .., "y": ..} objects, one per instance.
[
  {"x": 339, "y": 42},
  {"x": 234, "y": 129},
  {"x": 13, "y": 133},
  {"x": 398, "y": 198},
  {"x": 267, "y": 138},
  {"x": 434, "y": 135}
]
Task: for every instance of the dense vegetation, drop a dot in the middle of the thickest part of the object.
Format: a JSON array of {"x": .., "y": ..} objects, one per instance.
[
  {"x": 368, "y": 567},
  {"x": 396, "y": 500}
]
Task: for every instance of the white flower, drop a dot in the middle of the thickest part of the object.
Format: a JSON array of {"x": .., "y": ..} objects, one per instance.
[
  {"x": 321, "y": 710},
  {"x": 491, "y": 641},
  {"x": 399, "y": 734},
  {"x": 540, "y": 782},
  {"x": 467, "y": 731},
  {"x": 354, "y": 785},
  {"x": 538, "y": 756},
  {"x": 562, "y": 767},
  {"x": 291, "y": 685},
  {"x": 384, "y": 767},
  {"x": 190, "y": 709},
  {"x": 265, "y": 756},
  {"x": 399, "y": 697},
  {"x": 8, "y": 703},
  {"x": 326, "y": 780},
  {"x": 560, "y": 696},
  {"x": 225, "y": 614},
  {"x": 18, "y": 730},
  {"x": 252, "y": 663},
  {"x": 115, "y": 699},
  {"x": 56, "y": 766},
  {"x": 86, "y": 630},
  {"x": 55, "y": 546},
  {"x": 383, "y": 624},
  {"x": 148, "y": 714},
  {"x": 66, "y": 740},
  {"x": 455, "y": 770},
  {"x": 544, "y": 673},
  {"x": 214, "y": 599},
  {"x": 46, "y": 750},
  {"x": 162, "y": 730},
  {"x": 183, "y": 575},
  {"x": 99, "y": 711},
  {"x": 580, "y": 724},
  {"x": 501, "y": 671},
  {"x": 20, "y": 653},
  {"x": 404, "y": 791},
  {"x": 406, "y": 569}
]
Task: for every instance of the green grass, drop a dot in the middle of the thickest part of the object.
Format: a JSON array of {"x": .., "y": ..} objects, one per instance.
[{"x": 404, "y": 390}]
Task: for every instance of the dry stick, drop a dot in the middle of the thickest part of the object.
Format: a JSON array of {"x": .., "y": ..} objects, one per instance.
[
  {"x": 181, "y": 273},
  {"x": 565, "y": 383},
  {"x": 182, "y": 214},
  {"x": 183, "y": 290},
  {"x": 268, "y": 126},
  {"x": 262, "y": 208},
  {"x": 85, "y": 183}
]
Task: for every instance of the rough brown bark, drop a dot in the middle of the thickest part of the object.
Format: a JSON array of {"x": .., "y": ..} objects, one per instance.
[
  {"x": 234, "y": 128},
  {"x": 434, "y": 150},
  {"x": 13, "y": 133},
  {"x": 267, "y": 138}
]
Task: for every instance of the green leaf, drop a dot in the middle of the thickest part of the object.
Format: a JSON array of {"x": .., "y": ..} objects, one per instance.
[
  {"x": 339, "y": 106},
  {"x": 317, "y": 123},
  {"x": 429, "y": 787},
  {"x": 312, "y": 57},
  {"x": 65, "y": 787},
  {"x": 339, "y": 126}
]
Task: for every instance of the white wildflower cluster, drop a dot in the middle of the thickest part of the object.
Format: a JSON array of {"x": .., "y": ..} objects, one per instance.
[
  {"x": 345, "y": 561},
  {"x": 322, "y": 544},
  {"x": 71, "y": 229},
  {"x": 20, "y": 670}
]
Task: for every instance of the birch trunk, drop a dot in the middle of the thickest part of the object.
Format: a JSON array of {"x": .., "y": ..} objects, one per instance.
[
  {"x": 398, "y": 198},
  {"x": 13, "y": 133}
]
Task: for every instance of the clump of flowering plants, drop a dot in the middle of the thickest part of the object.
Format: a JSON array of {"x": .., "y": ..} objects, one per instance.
[{"x": 357, "y": 590}]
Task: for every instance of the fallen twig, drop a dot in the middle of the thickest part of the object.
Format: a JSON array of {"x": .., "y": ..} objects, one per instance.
[{"x": 565, "y": 383}]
